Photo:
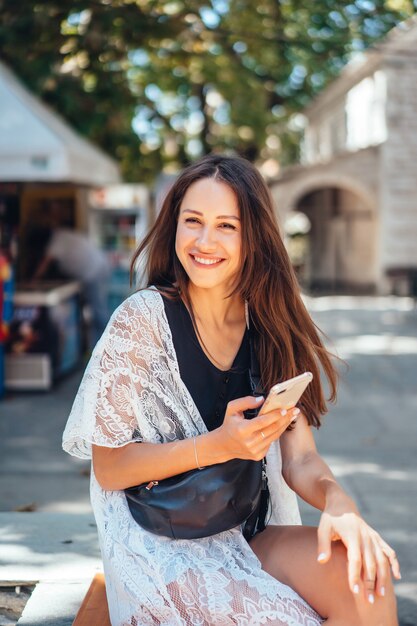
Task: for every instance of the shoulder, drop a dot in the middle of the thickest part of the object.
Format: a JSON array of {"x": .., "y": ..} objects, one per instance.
[
  {"x": 147, "y": 298},
  {"x": 136, "y": 322},
  {"x": 141, "y": 307}
]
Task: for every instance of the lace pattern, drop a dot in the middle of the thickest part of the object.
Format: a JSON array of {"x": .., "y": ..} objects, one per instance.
[{"x": 132, "y": 391}]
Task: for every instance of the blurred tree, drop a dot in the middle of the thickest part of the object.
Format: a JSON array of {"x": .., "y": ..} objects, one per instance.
[{"x": 160, "y": 82}]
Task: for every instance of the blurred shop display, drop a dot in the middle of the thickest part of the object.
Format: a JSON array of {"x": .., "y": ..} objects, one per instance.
[
  {"x": 6, "y": 309},
  {"x": 46, "y": 173},
  {"x": 119, "y": 219},
  {"x": 44, "y": 341}
]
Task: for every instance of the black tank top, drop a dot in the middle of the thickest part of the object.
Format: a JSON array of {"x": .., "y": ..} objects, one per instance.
[{"x": 210, "y": 388}]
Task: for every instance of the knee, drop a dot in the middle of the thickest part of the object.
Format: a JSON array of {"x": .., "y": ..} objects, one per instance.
[
  {"x": 357, "y": 608},
  {"x": 338, "y": 570}
]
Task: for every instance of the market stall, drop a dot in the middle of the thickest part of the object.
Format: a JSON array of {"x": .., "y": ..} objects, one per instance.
[
  {"x": 46, "y": 173},
  {"x": 46, "y": 170},
  {"x": 44, "y": 340}
]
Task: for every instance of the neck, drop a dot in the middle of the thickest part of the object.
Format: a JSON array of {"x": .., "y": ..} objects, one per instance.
[{"x": 212, "y": 308}]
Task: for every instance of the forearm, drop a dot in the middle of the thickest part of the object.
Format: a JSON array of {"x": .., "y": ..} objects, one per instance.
[
  {"x": 41, "y": 270},
  {"x": 136, "y": 463},
  {"x": 311, "y": 478}
]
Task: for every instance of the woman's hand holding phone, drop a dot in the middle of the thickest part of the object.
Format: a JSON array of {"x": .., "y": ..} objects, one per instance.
[{"x": 250, "y": 438}]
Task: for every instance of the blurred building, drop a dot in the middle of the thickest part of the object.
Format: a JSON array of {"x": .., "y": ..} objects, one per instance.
[
  {"x": 47, "y": 171},
  {"x": 357, "y": 182}
]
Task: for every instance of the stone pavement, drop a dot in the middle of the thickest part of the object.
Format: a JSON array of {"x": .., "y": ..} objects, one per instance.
[{"x": 369, "y": 438}]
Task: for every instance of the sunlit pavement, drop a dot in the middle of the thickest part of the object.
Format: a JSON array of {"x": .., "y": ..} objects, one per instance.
[{"x": 369, "y": 438}]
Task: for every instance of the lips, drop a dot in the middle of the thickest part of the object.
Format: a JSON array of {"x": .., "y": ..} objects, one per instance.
[{"x": 205, "y": 261}]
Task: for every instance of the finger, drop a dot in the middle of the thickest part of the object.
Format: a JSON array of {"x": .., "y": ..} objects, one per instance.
[
  {"x": 272, "y": 428},
  {"x": 392, "y": 558},
  {"x": 294, "y": 412},
  {"x": 382, "y": 570},
  {"x": 324, "y": 542},
  {"x": 354, "y": 566},
  {"x": 262, "y": 437},
  {"x": 369, "y": 569},
  {"x": 291, "y": 414},
  {"x": 271, "y": 420},
  {"x": 277, "y": 416},
  {"x": 243, "y": 404}
]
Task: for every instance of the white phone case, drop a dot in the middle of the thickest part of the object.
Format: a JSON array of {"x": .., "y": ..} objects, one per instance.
[{"x": 285, "y": 395}]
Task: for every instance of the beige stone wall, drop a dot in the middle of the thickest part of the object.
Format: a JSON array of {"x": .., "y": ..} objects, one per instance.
[
  {"x": 348, "y": 118},
  {"x": 325, "y": 134},
  {"x": 398, "y": 182}
]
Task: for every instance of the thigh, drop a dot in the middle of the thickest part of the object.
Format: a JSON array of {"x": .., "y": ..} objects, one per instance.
[{"x": 289, "y": 553}]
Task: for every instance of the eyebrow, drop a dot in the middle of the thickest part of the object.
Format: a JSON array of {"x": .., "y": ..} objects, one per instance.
[{"x": 219, "y": 217}]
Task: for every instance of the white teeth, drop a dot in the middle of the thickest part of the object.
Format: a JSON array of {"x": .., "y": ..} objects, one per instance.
[{"x": 206, "y": 261}]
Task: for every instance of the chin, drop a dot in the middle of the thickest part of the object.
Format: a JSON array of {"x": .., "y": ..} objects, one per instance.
[
  {"x": 202, "y": 283},
  {"x": 211, "y": 282}
]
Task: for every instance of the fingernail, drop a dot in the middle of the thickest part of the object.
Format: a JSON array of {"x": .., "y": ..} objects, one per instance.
[
  {"x": 371, "y": 598},
  {"x": 259, "y": 398},
  {"x": 283, "y": 412},
  {"x": 356, "y": 589},
  {"x": 382, "y": 591},
  {"x": 321, "y": 556},
  {"x": 296, "y": 411}
]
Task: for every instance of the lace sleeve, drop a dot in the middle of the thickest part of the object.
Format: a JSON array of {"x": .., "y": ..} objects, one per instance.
[{"x": 104, "y": 410}]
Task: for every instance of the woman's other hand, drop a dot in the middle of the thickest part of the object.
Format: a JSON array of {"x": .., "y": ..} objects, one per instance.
[
  {"x": 370, "y": 558},
  {"x": 250, "y": 438}
]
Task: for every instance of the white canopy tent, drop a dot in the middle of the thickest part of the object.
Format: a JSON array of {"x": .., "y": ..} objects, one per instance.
[{"x": 37, "y": 145}]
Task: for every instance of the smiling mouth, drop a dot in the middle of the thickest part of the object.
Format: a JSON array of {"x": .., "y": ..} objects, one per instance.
[{"x": 207, "y": 262}]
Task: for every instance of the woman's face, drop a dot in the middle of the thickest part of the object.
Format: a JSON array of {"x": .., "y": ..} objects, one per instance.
[{"x": 208, "y": 240}]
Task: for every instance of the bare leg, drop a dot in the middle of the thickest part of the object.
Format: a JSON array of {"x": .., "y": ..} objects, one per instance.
[{"x": 289, "y": 553}]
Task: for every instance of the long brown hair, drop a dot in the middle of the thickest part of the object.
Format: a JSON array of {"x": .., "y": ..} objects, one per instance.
[{"x": 287, "y": 340}]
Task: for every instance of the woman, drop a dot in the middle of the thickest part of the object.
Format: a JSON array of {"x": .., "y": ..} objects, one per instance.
[{"x": 170, "y": 372}]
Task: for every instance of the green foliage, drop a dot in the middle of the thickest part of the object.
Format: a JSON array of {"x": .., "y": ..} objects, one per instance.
[{"x": 158, "y": 82}]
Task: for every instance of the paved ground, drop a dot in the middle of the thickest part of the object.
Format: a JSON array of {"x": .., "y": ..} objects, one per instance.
[{"x": 369, "y": 438}]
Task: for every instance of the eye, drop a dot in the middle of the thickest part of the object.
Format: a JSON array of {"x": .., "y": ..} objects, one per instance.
[
  {"x": 192, "y": 220},
  {"x": 228, "y": 226}
]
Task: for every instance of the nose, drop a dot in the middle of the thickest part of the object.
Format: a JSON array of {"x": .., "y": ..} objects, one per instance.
[{"x": 207, "y": 240}]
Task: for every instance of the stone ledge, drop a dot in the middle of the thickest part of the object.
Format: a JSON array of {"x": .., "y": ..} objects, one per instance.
[
  {"x": 54, "y": 604},
  {"x": 48, "y": 547}
]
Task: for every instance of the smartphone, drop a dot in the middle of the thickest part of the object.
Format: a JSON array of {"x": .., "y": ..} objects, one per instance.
[{"x": 285, "y": 395}]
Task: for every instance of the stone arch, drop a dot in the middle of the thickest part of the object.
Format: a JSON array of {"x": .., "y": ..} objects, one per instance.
[
  {"x": 342, "y": 250},
  {"x": 311, "y": 182}
]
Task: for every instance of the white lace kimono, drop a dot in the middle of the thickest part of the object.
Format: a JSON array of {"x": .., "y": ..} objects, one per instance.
[{"x": 132, "y": 391}]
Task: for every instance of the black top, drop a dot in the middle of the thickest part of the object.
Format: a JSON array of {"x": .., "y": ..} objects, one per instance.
[{"x": 210, "y": 388}]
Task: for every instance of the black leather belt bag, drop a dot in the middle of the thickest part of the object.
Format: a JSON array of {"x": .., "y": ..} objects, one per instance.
[
  {"x": 204, "y": 502},
  {"x": 198, "y": 503}
]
